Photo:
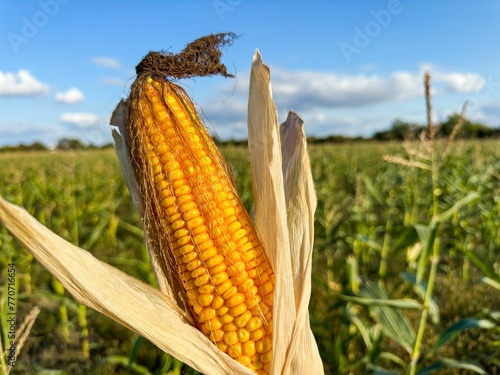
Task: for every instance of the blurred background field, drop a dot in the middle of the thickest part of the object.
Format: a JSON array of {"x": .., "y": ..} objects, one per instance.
[{"x": 372, "y": 220}]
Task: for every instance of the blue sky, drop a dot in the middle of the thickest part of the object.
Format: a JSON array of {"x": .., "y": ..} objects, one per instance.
[{"x": 346, "y": 66}]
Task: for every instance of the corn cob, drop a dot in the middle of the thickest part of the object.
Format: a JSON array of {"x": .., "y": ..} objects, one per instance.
[{"x": 206, "y": 235}]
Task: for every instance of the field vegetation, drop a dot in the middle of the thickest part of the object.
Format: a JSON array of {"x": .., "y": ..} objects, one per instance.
[{"x": 406, "y": 258}]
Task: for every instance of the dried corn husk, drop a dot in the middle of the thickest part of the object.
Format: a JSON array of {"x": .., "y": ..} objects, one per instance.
[{"x": 285, "y": 202}]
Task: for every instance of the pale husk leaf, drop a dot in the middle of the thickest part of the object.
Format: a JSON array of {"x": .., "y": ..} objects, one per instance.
[
  {"x": 270, "y": 208},
  {"x": 132, "y": 303},
  {"x": 303, "y": 355}
]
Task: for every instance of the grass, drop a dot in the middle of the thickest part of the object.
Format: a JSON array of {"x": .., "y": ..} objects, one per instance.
[{"x": 370, "y": 228}]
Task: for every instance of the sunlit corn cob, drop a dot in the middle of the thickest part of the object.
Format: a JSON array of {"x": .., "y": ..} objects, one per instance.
[{"x": 211, "y": 247}]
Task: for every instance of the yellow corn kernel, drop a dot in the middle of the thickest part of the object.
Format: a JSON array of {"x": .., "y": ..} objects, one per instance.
[
  {"x": 266, "y": 288},
  {"x": 208, "y": 253},
  {"x": 242, "y": 320},
  {"x": 260, "y": 309},
  {"x": 194, "y": 264},
  {"x": 207, "y": 314},
  {"x": 205, "y": 299},
  {"x": 213, "y": 324},
  {"x": 244, "y": 360},
  {"x": 217, "y": 302},
  {"x": 252, "y": 300},
  {"x": 205, "y": 289},
  {"x": 238, "y": 310},
  {"x": 222, "y": 346},
  {"x": 199, "y": 272},
  {"x": 231, "y": 338},
  {"x": 235, "y": 350},
  {"x": 217, "y": 269},
  {"x": 235, "y": 267},
  {"x": 214, "y": 261},
  {"x": 257, "y": 334},
  {"x": 253, "y": 324},
  {"x": 217, "y": 335},
  {"x": 267, "y": 367},
  {"x": 235, "y": 300},
  {"x": 269, "y": 326},
  {"x": 246, "y": 285},
  {"x": 230, "y": 327},
  {"x": 202, "y": 280},
  {"x": 239, "y": 278},
  {"x": 257, "y": 365},
  {"x": 266, "y": 357},
  {"x": 230, "y": 292},
  {"x": 243, "y": 335},
  {"x": 222, "y": 310},
  {"x": 263, "y": 345},
  {"x": 220, "y": 278},
  {"x": 249, "y": 348},
  {"x": 226, "y": 318},
  {"x": 186, "y": 249},
  {"x": 192, "y": 294},
  {"x": 268, "y": 299}
]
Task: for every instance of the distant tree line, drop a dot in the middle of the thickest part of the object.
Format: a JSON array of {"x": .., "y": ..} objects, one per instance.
[
  {"x": 399, "y": 130},
  {"x": 402, "y": 129},
  {"x": 63, "y": 144}
]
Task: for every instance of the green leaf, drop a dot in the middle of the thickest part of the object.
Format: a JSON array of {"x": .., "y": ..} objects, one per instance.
[
  {"x": 485, "y": 268},
  {"x": 136, "y": 344},
  {"x": 393, "y": 358},
  {"x": 452, "y": 363},
  {"x": 376, "y": 370},
  {"x": 461, "y": 325},
  {"x": 409, "y": 304},
  {"x": 407, "y": 238},
  {"x": 374, "y": 192},
  {"x": 421, "y": 289},
  {"x": 491, "y": 282},
  {"x": 492, "y": 314},
  {"x": 446, "y": 215},
  {"x": 166, "y": 364},
  {"x": 368, "y": 242},
  {"x": 427, "y": 236},
  {"x": 96, "y": 235},
  {"x": 124, "y": 361},
  {"x": 361, "y": 328},
  {"x": 393, "y": 322},
  {"x": 422, "y": 232}
]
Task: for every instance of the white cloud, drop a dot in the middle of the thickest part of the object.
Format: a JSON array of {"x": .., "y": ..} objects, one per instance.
[
  {"x": 107, "y": 62},
  {"x": 459, "y": 82},
  {"x": 318, "y": 96},
  {"x": 306, "y": 90},
  {"x": 21, "y": 83},
  {"x": 350, "y": 104},
  {"x": 72, "y": 96},
  {"x": 80, "y": 119}
]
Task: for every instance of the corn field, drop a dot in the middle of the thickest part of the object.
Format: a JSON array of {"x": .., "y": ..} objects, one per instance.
[{"x": 406, "y": 259}]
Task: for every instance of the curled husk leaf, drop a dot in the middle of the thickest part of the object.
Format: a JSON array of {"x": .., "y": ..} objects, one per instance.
[{"x": 285, "y": 202}]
